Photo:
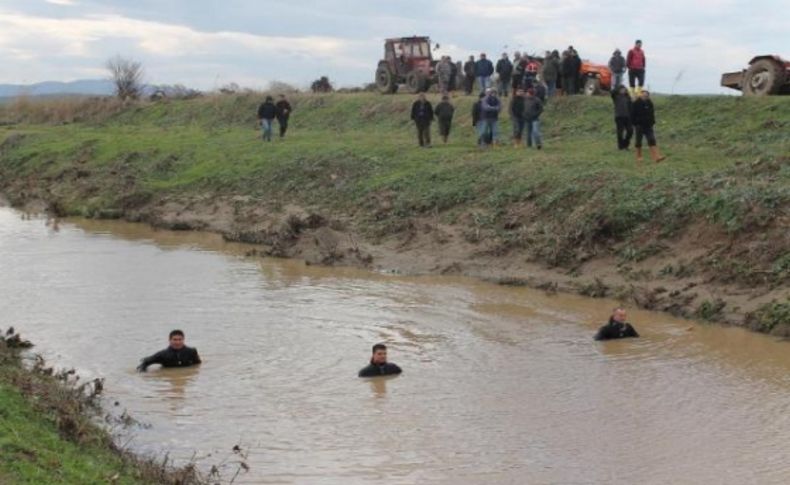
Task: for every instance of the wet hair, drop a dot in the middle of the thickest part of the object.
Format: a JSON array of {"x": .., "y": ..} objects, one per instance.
[
  {"x": 379, "y": 347},
  {"x": 176, "y": 333}
]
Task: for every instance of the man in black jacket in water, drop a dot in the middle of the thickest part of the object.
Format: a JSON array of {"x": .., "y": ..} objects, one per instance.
[
  {"x": 379, "y": 365},
  {"x": 616, "y": 328},
  {"x": 177, "y": 354}
]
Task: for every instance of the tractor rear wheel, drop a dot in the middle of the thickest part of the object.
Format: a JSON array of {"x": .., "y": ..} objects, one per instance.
[
  {"x": 592, "y": 86},
  {"x": 417, "y": 82},
  {"x": 385, "y": 80},
  {"x": 764, "y": 77}
]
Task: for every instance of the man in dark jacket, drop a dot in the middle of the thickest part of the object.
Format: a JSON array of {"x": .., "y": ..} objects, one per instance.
[
  {"x": 533, "y": 107},
  {"x": 504, "y": 69},
  {"x": 617, "y": 66},
  {"x": 616, "y": 328},
  {"x": 469, "y": 75},
  {"x": 476, "y": 117},
  {"x": 517, "y": 115},
  {"x": 378, "y": 364},
  {"x": 483, "y": 70},
  {"x": 567, "y": 66},
  {"x": 267, "y": 111},
  {"x": 177, "y": 354},
  {"x": 636, "y": 63},
  {"x": 622, "y": 116},
  {"x": 444, "y": 115},
  {"x": 643, "y": 118},
  {"x": 551, "y": 72},
  {"x": 422, "y": 115},
  {"x": 283, "y": 113},
  {"x": 490, "y": 106}
]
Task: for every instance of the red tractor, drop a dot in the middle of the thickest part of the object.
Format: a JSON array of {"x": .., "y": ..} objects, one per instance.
[
  {"x": 765, "y": 75},
  {"x": 406, "y": 60}
]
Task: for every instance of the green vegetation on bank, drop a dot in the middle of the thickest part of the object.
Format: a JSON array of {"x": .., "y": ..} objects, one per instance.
[
  {"x": 47, "y": 435},
  {"x": 726, "y": 181}
]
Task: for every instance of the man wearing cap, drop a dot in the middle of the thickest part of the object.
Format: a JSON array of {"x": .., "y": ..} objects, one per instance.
[{"x": 636, "y": 63}]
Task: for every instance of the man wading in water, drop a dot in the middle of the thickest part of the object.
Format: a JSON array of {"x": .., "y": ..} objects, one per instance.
[
  {"x": 379, "y": 365},
  {"x": 616, "y": 328},
  {"x": 177, "y": 354}
]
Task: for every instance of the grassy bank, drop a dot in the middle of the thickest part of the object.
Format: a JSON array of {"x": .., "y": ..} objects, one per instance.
[
  {"x": 47, "y": 435},
  {"x": 716, "y": 213}
]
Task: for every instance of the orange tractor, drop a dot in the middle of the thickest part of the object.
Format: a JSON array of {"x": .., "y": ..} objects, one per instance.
[
  {"x": 596, "y": 78},
  {"x": 406, "y": 60},
  {"x": 766, "y": 75}
]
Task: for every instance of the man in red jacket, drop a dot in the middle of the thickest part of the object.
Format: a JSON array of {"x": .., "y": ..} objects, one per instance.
[{"x": 636, "y": 67}]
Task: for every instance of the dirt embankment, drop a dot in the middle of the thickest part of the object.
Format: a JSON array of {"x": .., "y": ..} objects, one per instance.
[{"x": 670, "y": 281}]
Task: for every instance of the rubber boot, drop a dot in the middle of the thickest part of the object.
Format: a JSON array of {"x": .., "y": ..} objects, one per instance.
[
  {"x": 656, "y": 155},
  {"x": 639, "y": 154}
]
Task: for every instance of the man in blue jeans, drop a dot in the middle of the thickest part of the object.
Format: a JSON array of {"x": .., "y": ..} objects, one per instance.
[
  {"x": 533, "y": 107},
  {"x": 490, "y": 106},
  {"x": 267, "y": 111},
  {"x": 483, "y": 70}
]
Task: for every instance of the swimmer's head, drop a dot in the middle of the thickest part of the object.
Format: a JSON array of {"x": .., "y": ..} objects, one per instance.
[
  {"x": 379, "y": 354},
  {"x": 176, "y": 339},
  {"x": 618, "y": 315}
]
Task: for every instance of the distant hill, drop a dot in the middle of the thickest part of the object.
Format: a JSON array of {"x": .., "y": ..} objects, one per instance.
[{"x": 49, "y": 88}]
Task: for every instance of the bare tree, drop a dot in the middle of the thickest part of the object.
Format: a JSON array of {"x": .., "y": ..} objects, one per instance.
[{"x": 127, "y": 75}]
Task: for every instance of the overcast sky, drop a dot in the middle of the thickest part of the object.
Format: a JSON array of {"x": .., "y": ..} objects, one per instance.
[{"x": 206, "y": 44}]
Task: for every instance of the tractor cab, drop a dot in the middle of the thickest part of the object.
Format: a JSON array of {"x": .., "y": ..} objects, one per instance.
[{"x": 406, "y": 60}]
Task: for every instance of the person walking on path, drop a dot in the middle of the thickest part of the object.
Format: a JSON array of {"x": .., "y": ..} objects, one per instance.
[
  {"x": 267, "y": 111},
  {"x": 551, "y": 72},
  {"x": 483, "y": 70},
  {"x": 444, "y": 115},
  {"x": 517, "y": 115},
  {"x": 490, "y": 107},
  {"x": 504, "y": 68},
  {"x": 283, "y": 113},
  {"x": 643, "y": 117},
  {"x": 444, "y": 71},
  {"x": 533, "y": 108},
  {"x": 617, "y": 66},
  {"x": 422, "y": 115},
  {"x": 622, "y": 116},
  {"x": 469, "y": 75},
  {"x": 636, "y": 63}
]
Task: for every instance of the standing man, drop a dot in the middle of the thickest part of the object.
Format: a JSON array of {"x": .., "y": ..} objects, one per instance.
[
  {"x": 444, "y": 72},
  {"x": 551, "y": 71},
  {"x": 568, "y": 73},
  {"x": 483, "y": 70},
  {"x": 622, "y": 116},
  {"x": 378, "y": 364},
  {"x": 576, "y": 62},
  {"x": 267, "y": 111},
  {"x": 533, "y": 107},
  {"x": 444, "y": 114},
  {"x": 517, "y": 115},
  {"x": 504, "y": 68},
  {"x": 617, "y": 66},
  {"x": 469, "y": 75},
  {"x": 454, "y": 69},
  {"x": 477, "y": 113},
  {"x": 643, "y": 117},
  {"x": 283, "y": 113},
  {"x": 636, "y": 63},
  {"x": 422, "y": 115},
  {"x": 490, "y": 106},
  {"x": 177, "y": 354}
]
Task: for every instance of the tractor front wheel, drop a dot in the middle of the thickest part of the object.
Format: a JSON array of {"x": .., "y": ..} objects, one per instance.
[
  {"x": 417, "y": 82},
  {"x": 385, "y": 80},
  {"x": 592, "y": 86},
  {"x": 764, "y": 77}
]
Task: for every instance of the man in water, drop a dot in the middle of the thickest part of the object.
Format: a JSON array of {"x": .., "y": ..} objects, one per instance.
[
  {"x": 616, "y": 328},
  {"x": 177, "y": 354},
  {"x": 379, "y": 365}
]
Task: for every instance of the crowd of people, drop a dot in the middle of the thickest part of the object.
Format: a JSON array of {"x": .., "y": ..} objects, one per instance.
[{"x": 530, "y": 82}]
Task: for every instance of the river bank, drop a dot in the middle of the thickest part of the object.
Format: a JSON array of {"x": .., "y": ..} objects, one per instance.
[
  {"x": 48, "y": 433},
  {"x": 701, "y": 236}
]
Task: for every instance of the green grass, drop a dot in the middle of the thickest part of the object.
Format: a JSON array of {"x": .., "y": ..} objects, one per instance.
[
  {"x": 32, "y": 452},
  {"x": 728, "y": 166}
]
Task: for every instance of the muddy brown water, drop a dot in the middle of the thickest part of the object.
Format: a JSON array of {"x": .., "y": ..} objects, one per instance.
[{"x": 501, "y": 385}]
